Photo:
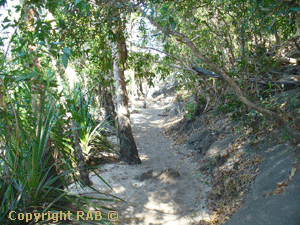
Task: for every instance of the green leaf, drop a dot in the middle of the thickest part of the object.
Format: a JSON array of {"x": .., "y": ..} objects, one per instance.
[
  {"x": 62, "y": 24},
  {"x": 56, "y": 43},
  {"x": 25, "y": 77},
  {"x": 206, "y": 182},
  {"x": 131, "y": 6},
  {"x": 280, "y": 12},
  {"x": 172, "y": 21},
  {"x": 49, "y": 72},
  {"x": 65, "y": 59},
  {"x": 21, "y": 53},
  {"x": 41, "y": 43},
  {"x": 17, "y": 7},
  {"x": 295, "y": 9},
  {"x": 67, "y": 50},
  {"x": 6, "y": 20},
  {"x": 120, "y": 5},
  {"x": 273, "y": 21},
  {"x": 115, "y": 18},
  {"x": 162, "y": 18},
  {"x": 77, "y": 1},
  {"x": 152, "y": 13}
]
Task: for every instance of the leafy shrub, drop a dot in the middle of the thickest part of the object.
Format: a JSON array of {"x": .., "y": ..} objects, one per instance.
[
  {"x": 191, "y": 110},
  {"x": 27, "y": 183},
  {"x": 231, "y": 105}
]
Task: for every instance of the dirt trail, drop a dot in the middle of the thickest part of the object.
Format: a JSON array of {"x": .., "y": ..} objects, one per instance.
[{"x": 161, "y": 199}]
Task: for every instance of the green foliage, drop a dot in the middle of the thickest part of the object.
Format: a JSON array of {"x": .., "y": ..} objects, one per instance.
[
  {"x": 24, "y": 184},
  {"x": 190, "y": 107},
  {"x": 143, "y": 65},
  {"x": 90, "y": 131},
  {"x": 26, "y": 128},
  {"x": 237, "y": 35},
  {"x": 231, "y": 105}
]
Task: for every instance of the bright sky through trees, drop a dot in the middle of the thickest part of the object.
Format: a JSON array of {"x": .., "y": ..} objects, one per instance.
[{"x": 7, "y": 11}]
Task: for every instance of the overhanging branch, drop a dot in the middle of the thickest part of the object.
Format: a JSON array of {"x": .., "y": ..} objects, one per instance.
[
  {"x": 168, "y": 54},
  {"x": 241, "y": 96}
]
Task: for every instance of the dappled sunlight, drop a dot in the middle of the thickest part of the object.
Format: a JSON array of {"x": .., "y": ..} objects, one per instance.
[
  {"x": 155, "y": 204},
  {"x": 72, "y": 76},
  {"x": 153, "y": 197},
  {"x": 143, "y": 157},
  {"x": 152, "y": 118},
  {"x": 164, "y": 112}
]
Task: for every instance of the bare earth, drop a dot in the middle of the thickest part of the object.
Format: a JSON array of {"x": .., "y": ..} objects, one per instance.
[{"x": 163, "y": 198}]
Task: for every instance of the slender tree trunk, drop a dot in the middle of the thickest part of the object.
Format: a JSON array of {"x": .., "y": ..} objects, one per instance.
[
  {"x": 98, "y": 95},
  {"x": 242, "y": 43},
  {"x": 128, "y": 149},
  {"x": 133, "y": 85},
  {"x": 141, "y": 87},
  {"x": 83, "y": 171},
  {"x": 109, "y": 106},
  {"x": 37, "y": 90},
  {"x": 145, "y": 98}
]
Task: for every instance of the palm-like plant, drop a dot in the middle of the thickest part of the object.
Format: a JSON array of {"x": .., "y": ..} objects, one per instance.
[
  {"x": 26, "y": 182},
  {"x": 90, "y": 132}
]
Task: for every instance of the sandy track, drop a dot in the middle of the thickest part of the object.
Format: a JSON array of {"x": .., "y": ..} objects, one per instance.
[{"x": 161, "y": 200}]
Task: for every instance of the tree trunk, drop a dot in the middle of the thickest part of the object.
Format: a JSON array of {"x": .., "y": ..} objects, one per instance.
[
  {"x": 145, "y": 98},
  {"x": 83, "y": 171},
  {"x": 109, "y": 107},
  {"x": 141, "y": 91},
  {"x": 37, "y": 90},
  {"x": 128, "y": 149},
  {"x": 133, "y": 85}
]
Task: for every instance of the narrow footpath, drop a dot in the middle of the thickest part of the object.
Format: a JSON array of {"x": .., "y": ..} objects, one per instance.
[{"x": 166, "y": 188}]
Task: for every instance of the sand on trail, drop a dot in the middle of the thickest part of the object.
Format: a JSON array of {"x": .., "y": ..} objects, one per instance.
[{"x": 162, "y": 200}]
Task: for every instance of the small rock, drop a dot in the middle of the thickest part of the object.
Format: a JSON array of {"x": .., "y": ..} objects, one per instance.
[
  {"x": 186, "y": 126},
  {"x": 175, "y": 109},
  {"x": 207, "y": 164},
  {"x": 156, "y": 94},
  {"x": 170, "y": 173},
  {"x": 164, "y": 175},
  {"x": 151, "y": 174},
  {"x": 220, "y": 147},
  {"x": 135, "y": 111},
  {"x": 145, "y": 176},
  {"x": 206, "y": 143},
  {"x": 198, "y": 136}
]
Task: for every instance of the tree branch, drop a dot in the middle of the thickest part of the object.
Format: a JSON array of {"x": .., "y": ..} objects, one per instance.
[
  {"x": 194, "y": 70},
  {"x": 168, "y": 54},
  {"x": 241, "y": 96}
]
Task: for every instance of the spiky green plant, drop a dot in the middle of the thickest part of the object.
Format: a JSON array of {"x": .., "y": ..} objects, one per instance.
[
  {"x": 90, "y": 132},
  {"x": 25, "y": 184}
]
